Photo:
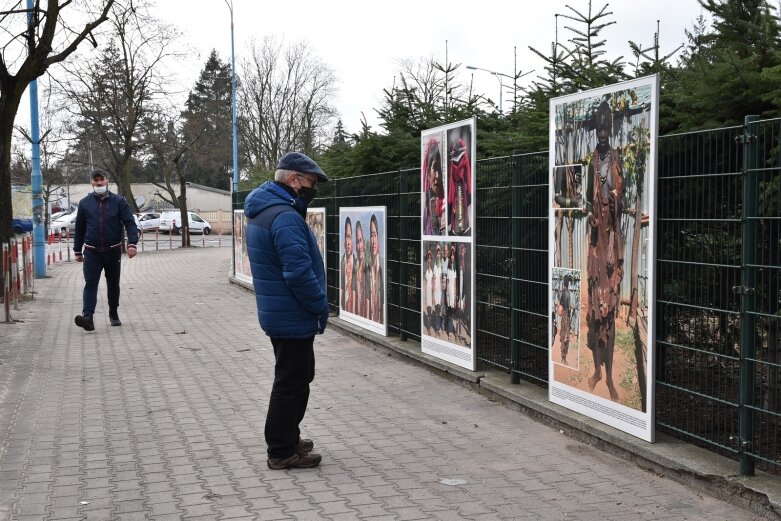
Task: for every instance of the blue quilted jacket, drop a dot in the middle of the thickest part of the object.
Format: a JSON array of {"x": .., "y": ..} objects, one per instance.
[{"x": 287, "y": 269}]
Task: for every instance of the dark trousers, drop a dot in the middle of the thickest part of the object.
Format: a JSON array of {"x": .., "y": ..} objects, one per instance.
[
  {"x": 96, "y": 262},
  {"x": 293, "y": 372}
]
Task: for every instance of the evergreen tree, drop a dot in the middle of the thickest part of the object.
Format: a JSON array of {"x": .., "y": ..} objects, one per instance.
[
  {"x": 208, "y": 114},
  {"x": 582, "y": 64},
  {"x": 730, "y": 69},
  {"x": 586, "y": 66}
]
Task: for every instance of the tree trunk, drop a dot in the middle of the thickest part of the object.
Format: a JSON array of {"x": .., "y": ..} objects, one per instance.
[
  {"x": 6, "y": 212},
  {"x": 184, "y": 211},
  {"x": 8, "y": 108},
  {"x": 571, "y": 236},
  {"x": 9, "y": 104},
  {"x": 636, "y": 240},
  {"x": 124, "y": 183},
  {"x": 557, "y": 236},
  {"x": 773, "y": 394}
]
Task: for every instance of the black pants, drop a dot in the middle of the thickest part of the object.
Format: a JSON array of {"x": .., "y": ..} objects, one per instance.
[
  {"x": 96, "y": 262},
  {"x": 293, "y": 372}
]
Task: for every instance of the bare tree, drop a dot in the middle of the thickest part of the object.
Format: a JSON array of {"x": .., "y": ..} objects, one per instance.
[
  {"x": 55, "y": 170},
  {"x": 285, "y": 102},
  {"x": 32, "y": 45},
  {"x": 170, "y": 147},
  {"x": 115, "y": 97}
]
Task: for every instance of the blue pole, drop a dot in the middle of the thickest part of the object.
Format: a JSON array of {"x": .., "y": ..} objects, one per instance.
[{"x": 39, "y": 243}]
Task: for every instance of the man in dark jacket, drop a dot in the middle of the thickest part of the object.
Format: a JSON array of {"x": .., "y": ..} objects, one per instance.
[
  {"x": 290, "y": 292},
  {"x": 99, "y": 222}
]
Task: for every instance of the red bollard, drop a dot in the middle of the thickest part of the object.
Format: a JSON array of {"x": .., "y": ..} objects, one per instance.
[
  {"x": 14, "y": 273},
  {"x": 6, "y": 282},
  {"x": 24, "y": 264},
  {"x": 28, "y": 263}
]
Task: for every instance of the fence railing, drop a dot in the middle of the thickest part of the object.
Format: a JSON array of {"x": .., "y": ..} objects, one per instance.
[
  {"x": 718, "y": 276},
  {"x": 220, "y": 220}
]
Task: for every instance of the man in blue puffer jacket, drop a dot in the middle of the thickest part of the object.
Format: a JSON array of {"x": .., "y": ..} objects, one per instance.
[
  {"x": 290, "y": 291},
  {"x": 100, "y": 221}
]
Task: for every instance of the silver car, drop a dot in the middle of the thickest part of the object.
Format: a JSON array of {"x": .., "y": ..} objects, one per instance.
[
  {"x": 147, "y": 222},
  {"x": 64, "y": 224}
]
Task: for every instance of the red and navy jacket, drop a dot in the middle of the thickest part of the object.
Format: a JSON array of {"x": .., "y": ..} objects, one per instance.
[{"x": 100, "y": 220}]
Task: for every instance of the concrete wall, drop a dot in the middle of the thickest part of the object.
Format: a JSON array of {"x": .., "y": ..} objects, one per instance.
[{"x": 199, "y": 198}]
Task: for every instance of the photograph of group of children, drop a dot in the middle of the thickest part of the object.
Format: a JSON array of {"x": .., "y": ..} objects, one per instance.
[
  {"x": 446, "y": 292},
  {"x": 447, "y": 186},
  {"x": 362, "y": 295}
]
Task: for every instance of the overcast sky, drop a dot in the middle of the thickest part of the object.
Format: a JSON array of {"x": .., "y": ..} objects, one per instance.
[{"x": 363, "y": 42}]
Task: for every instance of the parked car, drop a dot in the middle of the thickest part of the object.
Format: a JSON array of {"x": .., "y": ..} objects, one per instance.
[
  {"x": 147, "y": 222},
  {"x": 22, "y": 225},
  {"x": 170, "y": 222},
  {"x": 57, "y": 215},
  {"x": 64, "y": 224}
]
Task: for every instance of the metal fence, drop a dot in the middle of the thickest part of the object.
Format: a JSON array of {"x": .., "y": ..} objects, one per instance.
[{"x": 718, "y": 345}]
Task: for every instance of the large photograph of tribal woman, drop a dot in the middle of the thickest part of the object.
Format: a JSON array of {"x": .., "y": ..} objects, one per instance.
[
  {"x": 447, "y": 186},
  {"x": 362, "y": 259},
  {"x": 602, "y": 235}
]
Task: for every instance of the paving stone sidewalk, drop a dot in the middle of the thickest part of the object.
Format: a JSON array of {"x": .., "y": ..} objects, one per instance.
[{"x": 162, "y": 419}]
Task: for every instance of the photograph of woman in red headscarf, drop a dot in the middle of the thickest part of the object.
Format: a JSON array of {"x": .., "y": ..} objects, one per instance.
[
  {"x": 433, "y": 188},
  {"x": 459, "y": 180}
]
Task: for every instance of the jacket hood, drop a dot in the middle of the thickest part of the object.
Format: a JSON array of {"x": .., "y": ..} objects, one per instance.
[{"x": 271, "y": 194}]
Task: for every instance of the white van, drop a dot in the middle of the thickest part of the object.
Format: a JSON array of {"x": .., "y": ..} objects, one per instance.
[{"x": 170, "y": 222}]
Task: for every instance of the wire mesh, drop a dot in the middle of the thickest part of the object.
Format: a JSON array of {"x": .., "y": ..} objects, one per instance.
[
  {"x": 764, "y": 176},
  {"x": 700, "y": 264}
]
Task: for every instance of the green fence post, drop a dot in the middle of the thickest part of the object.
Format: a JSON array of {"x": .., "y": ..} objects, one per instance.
[
  {"x": 403, "y": 279},
  {"x": 515, "y": 301},
  {"x": 335, "y": 218},
  {"x": 746, "y": 290},
  {"x": 234, "y": 198}
]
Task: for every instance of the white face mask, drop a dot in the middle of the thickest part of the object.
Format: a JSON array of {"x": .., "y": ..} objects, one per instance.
[{"x": 100, "y": 190}]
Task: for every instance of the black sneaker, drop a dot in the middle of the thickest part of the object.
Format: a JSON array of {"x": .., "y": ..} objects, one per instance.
[
  {"x": 114, "y": 319},
  {"x": 85, "y": 322},
  {"x": 296, "y": 461}
]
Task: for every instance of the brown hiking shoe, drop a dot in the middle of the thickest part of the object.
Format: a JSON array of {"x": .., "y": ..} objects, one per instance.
[
  {"x": 305, "y": 445},
  {"x": 86, "y": 322},
  {"x": 296, "y": 461}
]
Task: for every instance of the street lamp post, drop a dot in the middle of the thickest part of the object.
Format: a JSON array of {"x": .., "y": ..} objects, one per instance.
[
  {"x": 233, "y": 105},
  {"x": 499, "y": 76},
  {"x": 235, "y": 179}
]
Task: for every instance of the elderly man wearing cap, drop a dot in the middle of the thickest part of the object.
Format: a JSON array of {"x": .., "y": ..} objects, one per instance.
[
  {"x": 99, "y": 222},
  {"x": 290, "y": 291}
]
